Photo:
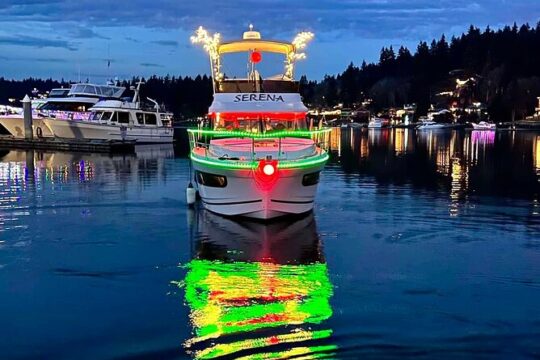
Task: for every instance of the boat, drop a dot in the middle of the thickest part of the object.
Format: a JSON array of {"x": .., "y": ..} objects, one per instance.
[
  {"x": 118, "y": 120},
  {"x": 377, "y": 123},
  {"x": 257, "y": 155},
  {"x": 72, "y": 103},
  {"x": 484, "y": 125},
  {"x": 432, "y": 125}
]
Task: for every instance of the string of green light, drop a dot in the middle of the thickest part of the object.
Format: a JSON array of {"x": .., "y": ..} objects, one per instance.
[
  {"x": 246, "y": 165},
  {"x": 277, "y": 134}
]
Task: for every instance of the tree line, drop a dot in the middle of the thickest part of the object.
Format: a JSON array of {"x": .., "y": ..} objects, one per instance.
[{"x": 505, "y": 62}]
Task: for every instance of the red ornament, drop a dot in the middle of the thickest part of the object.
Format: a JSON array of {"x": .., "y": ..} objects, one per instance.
[{"x": 255, "y": 57}]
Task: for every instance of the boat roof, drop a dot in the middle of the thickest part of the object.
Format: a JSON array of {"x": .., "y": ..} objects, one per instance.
[
  {"x": 256, "y": 44},
  {"x": 96, "y": 90},
  {"x": 73, "y": 99},
  {"x": 119, "y": 105},
  {"x": 59, "y": 92}
]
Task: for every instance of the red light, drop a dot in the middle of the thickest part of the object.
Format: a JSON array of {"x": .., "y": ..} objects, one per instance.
[
  {"x": 266, "y": 174},
  {"x": 268, "y": 169},
  {"x": 255, "y": 57}
]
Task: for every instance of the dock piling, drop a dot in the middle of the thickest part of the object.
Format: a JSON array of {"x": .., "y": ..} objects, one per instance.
[{"x": 27, "y": 113}]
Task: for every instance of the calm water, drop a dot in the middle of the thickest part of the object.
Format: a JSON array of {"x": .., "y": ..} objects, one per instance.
[{"x": 421, "y": 245}]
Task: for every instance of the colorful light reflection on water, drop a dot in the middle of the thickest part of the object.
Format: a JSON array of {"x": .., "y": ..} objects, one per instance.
[{"x": 236, "y": 297}]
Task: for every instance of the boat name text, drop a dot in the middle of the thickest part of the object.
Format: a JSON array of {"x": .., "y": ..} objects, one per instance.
[{"x": 258, "y": 97}]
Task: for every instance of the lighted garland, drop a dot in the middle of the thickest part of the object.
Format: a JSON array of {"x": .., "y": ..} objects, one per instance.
[
  {"x": 210, "y": 44},
  {"x": 300, "y": 42},
  {"x": 277, "y": 134},
  {"x": 250, "y": 164}
]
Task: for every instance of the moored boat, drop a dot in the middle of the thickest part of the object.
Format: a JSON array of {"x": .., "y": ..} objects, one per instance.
[
  {"x": 432, "y": 125},
  {"x": 258, "y": 156},
  {"x": 484, "y": 125},
  {"x": 72, "y": 103},
  {"x": 378, "y": 123},
  {"x": 118, "y": 120}
]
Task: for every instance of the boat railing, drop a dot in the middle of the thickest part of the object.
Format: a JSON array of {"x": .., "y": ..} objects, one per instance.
[{"x": 200, "y": 143}]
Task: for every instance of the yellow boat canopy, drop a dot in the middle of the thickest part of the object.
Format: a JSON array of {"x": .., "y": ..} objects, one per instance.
[{"x": 255, "y": 44}]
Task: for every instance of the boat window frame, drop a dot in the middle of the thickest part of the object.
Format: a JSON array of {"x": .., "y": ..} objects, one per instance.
[
  {"x": 109, "y": 118},
  {"x": 140, "y": 121},
  {"x": 123, "y": 112},
  {"x": 150, "y": 115},
  {"x": 95, "y": 115},
  {"x": 210, "y": 180},
  {"x": 311, "y": 179}
]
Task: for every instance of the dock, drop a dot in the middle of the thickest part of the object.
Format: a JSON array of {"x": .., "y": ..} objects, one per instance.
[{"x": 74, "y": 145}]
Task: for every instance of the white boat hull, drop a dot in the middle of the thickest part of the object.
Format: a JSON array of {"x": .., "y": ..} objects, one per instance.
[
  {"x": 245, "y": 196},
  {"x": 15, "y": 126},
  {"x": 76, "y": 129},
  {"x": 484, "y": 126},
  {"x": 435, "y": 127}
]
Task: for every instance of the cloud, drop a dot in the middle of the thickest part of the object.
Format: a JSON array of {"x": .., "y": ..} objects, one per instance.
[
  {"x": 365, "y": 18},
  {"x": 48, "y": 60},
  {"x": 165, "y": 42},
  {"x": 85, "y": 33},
  {"x": 30, "y": 41},
  {"x": 129, "y": 38},
  {"x": 151, "y": 65}
]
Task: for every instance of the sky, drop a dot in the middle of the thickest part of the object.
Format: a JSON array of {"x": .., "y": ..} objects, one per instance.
[{"x": 76, "y": 39}]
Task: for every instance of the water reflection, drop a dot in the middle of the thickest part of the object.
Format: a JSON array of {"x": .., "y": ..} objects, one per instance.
[
  {"x": 31, "y": 180},
  {"x": 257, "y": 291},
  {"x": 460, "y": 163}
]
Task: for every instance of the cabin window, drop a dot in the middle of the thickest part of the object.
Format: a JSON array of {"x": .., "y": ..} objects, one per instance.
[
  {"x": 95, "y": 115},
  {"x": 210, "y": 180},
  {"x": 150, "y": 119},
  {"x": 106, "y": 116},
  {"x": 311, "y": 179},
  {"x": 140, "y": 118},
  {"x": 113, "y": 118},
  {"x": 123, "y": 117}
]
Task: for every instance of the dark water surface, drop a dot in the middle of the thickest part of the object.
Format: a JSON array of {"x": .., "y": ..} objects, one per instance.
[{"x": 421, "y": 245}]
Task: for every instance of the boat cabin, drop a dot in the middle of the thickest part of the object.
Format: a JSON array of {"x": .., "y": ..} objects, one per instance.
[{"x": 116, "y": 112}]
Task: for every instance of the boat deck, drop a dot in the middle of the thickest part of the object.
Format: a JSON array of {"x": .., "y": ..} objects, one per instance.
[{"x": 284, "y": 148}]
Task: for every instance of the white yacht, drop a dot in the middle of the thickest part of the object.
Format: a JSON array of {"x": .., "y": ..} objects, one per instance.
[
  {"x": 432, "y": 125},
  {"x": 258, "y": 156},
  {"x": 118, "y": 120},
  {"x": 377, "y": 123},
  {"x": 484, "y": 125},
  {"x": 72, "y": 103}
]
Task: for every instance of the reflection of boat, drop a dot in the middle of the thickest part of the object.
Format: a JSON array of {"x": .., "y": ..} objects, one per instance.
[
  {"x": 484, "y": 125},
  {"x": 378, "y": 123},
  {"x": 17, "y": 166},
  {"x": 254, "y": 288},
  {"x": 59, "y": 105},
  {"x": 118, "y": 120},
  {"x": 258, "y": 157}
]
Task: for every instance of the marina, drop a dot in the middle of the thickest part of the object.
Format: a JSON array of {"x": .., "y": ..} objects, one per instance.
[{"x": 270, "y": 184}]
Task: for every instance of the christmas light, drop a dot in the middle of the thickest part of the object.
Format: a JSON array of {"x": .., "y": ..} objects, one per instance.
[
  {"x": 300, "y": 42},
  {"x": 210, "y": 44},
  {"x": 276, "y": 134},
  {"x": 247, "y": 165}
]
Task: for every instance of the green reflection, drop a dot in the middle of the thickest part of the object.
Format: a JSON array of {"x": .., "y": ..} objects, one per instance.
[{"x": 256, "y": 305}]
